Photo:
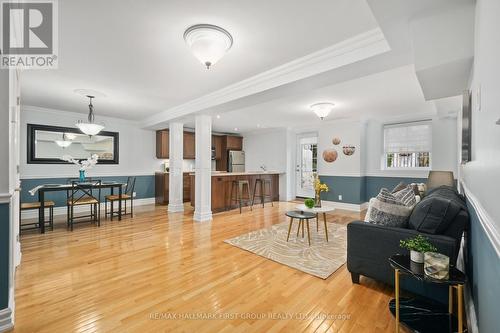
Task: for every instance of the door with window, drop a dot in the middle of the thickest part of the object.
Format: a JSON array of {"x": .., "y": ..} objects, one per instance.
[{"x": 307, "y": 165}]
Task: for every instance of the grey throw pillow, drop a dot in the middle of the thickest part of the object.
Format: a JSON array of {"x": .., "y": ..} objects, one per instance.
[
  {"x": 388, "y": 214},
  {"x": 406, "y": 196}
]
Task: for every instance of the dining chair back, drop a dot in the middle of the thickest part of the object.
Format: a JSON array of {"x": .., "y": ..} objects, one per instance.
[{"x": 81, "y": 194}]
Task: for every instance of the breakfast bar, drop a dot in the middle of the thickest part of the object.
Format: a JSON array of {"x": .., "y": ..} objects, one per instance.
[{"x": 222, "y": 182}]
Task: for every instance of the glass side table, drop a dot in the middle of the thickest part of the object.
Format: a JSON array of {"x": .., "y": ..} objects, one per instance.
[{"x": 424, "y": 315}]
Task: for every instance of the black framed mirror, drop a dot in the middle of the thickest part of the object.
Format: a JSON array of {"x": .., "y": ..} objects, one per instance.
[{"x": 48, "y": 144}]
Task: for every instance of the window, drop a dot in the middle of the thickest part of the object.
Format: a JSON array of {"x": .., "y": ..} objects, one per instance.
[{"x": 408, "y": 145}]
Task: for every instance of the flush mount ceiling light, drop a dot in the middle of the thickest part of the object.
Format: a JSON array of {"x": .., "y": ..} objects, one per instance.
[
  {"x": 209, "y": 43},
  {"x": 90, "y": 127},
  {"x": 65, "y": 142},
  {"x": 322, "y": 110}
]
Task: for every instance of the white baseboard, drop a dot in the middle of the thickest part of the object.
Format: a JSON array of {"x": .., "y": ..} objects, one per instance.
[
  {"x": 6, "y": 320},
  {"x": 31, "y": 214},
  {"x": 348, "y": 206}
]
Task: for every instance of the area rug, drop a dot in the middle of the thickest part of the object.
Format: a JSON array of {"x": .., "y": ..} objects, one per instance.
[{"x": 321, "y": 259}]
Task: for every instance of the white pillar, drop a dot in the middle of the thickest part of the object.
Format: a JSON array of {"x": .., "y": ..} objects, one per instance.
[
  {"x": 175, "y": 189},
  {"x": 203, "y": 169}
]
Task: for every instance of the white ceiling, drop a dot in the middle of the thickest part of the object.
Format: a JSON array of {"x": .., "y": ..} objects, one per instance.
[
  {"x": 383, "y": 95},
  {"x": 134, "y": 53}
]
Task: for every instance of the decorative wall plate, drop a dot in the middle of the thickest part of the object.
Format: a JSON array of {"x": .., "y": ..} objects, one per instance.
[
  {"x": 348, "y": 150},
  {"x": 330, "y": 155},
  {"x": 336, "y": 141}
]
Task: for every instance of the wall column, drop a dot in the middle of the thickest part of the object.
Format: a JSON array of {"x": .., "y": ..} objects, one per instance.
[
  {"x": 175, "y": 202},
  {"x": 203, "y": 169}
]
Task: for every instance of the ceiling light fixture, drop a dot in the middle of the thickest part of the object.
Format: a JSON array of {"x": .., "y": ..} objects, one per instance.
[
  {"x": 90, "y": 127},
  {"x": 65, "y": 142},
  {"x": 209, "y": 43},
  {"x": 322, "y": 110}
]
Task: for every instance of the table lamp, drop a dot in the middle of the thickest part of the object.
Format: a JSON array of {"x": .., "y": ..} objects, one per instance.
[{"x": 439, "y": 178}]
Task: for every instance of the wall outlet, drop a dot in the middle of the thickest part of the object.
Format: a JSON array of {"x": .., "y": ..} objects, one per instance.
[
  {"x": 134, "y": 194},
  {"x": 340, "y": 197}
]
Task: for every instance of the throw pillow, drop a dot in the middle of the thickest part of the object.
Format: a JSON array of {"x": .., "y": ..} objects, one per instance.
[
  {"x": 406, "y": 196},
  {"x": 398, "y": 187},
  {"x": 388, "y": 214},
  {"x": 385, "y": 196}
]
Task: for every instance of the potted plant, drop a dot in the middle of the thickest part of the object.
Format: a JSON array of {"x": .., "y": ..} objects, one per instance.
[
  {"x": 82, "y": 164},
  {"x": 417, "y": 246},
  {"x": 318, "y": 188},
  {"x": 309, "y": 203}
]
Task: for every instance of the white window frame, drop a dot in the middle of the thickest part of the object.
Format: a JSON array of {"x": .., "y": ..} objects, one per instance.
[{"x": 384, "y": 155}]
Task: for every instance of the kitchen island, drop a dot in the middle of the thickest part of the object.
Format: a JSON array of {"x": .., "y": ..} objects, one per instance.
[{"x": 221, "y": 187}]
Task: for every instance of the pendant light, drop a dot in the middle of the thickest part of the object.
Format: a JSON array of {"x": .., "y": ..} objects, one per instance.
[
  {"x": 65, "y": 142},
  {"x": 208, "y": 43},
  {"x": 322, "y": 110},
  {"x": 90, "y": 127}
]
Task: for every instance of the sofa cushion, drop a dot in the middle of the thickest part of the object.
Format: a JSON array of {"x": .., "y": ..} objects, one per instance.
[
  {"x": 435, "y": 213},
  {"x": 386, "y": 209}
]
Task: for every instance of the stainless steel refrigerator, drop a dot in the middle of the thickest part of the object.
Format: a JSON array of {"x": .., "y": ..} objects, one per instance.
[{"x": 236, "y": 161}]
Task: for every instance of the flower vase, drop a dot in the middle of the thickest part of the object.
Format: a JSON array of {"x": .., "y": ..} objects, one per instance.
[
  {"x": 82, "y": 176},
  {"x": 317, "y": 200}
]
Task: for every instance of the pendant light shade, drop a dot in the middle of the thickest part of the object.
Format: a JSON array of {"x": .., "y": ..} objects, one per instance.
[
  {"x": 90, "y": 127},
  {"x": 209, "y": 43},
  {"x": 65, "y": 142},
  {"x": 322, "y": 110}
]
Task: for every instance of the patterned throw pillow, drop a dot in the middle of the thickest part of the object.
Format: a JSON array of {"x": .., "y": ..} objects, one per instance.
[
  {"x": 391, "y": 209},
  {"x": 406, "y": 196},
  {"x": 398, "y": 187}
]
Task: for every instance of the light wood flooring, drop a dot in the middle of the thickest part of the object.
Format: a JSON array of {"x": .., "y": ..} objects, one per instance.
[{"x": 160, "y": 272}]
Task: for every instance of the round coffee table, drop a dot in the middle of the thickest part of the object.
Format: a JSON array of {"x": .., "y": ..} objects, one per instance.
[
  {"x": 301, "y": 216},
  {"x": 325, "y": 208}
]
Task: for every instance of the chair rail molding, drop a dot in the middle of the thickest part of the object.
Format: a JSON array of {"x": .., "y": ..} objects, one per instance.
[
  {"x": 485, "y": 219},
  {"x": 6, "y": 320},
  {"x": 357, "y": 48}
]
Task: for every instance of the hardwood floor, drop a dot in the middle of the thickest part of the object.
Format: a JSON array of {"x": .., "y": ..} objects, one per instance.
[{"x": 138, "y": 274}]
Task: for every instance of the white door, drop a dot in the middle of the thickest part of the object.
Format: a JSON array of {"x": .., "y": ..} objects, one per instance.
[{"x": 306, "y": 165}]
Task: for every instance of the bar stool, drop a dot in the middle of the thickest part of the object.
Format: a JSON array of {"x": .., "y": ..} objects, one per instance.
[
  {"x": 36, "y": 205},
  {"x": 239, "y": 185},
  {"x": 262, "y": 191}
]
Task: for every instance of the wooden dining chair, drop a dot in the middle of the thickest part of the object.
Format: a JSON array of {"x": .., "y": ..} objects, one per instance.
[
  {"x": 84, "y": 194},
  {"x": 128, "y": 194},
  {"x": 36, "y": 206}
]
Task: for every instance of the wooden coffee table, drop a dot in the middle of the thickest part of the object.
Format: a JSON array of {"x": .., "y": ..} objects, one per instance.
[
  {"x": 301, "y": 216},
  {"x": 325, "y": 208}
]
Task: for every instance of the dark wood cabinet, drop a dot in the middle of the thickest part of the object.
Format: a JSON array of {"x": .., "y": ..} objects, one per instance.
[
  {"x": 162, "y": 142},
  {"x": 234, "y": 142},
  {"x": 189, "y": 146},
  {"x": 162, "y": 187},
  {"x": 217, "y": 145}
]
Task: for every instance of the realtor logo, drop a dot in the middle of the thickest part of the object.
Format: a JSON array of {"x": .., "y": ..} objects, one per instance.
[{"x": 29, "y": 34}]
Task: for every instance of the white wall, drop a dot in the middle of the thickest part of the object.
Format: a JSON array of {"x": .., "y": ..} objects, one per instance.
[
  {"x": 482, "y": 175},
  {"x": 349, "y": 132},
  {"x": 137, "y": 146},
  {"x": 4, "y": 132},
  {"x": 444, "y": 148},
  {"x": 268, "y": 148}
]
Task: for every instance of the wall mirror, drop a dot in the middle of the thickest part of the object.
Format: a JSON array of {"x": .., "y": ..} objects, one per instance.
[{"x": 48, "y": 144}]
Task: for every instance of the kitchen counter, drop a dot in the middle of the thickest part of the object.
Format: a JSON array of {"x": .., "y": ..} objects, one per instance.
[{"x": 222, "y": 183}]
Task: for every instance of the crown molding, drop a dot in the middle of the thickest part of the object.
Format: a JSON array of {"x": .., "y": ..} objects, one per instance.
[{"x": 357, "y": 48}]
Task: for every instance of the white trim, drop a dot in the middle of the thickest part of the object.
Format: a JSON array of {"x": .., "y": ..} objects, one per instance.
[
  {"x": 470, "y": 311},
  {"x": 6, "y": 320},
  {"x": 89, "y": 174},
  {"x": 399, "y": 174},
  {"x": 343, "y": 174},
  {"x": 175, "y": 208},
  {"x": 33, "y": 213},
  {"x": 202, "y": 217},
  {"x": 5, "y": 197},
  {"x": 347, "y": 206},
  {"x": 357, "y": 48},
  {"x": 485, "y": 219}
]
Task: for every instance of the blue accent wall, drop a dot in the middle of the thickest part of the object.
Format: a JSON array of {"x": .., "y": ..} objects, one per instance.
[
  {"x": 144, "y": 188},
  {"x": 483, "y": 271},
  {"x": 4, "y": 255},
  {"x": 357, "y": 190}
]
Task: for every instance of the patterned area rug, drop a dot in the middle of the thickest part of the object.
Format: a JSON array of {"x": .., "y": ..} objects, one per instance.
[{"x": 321, "y": 259}]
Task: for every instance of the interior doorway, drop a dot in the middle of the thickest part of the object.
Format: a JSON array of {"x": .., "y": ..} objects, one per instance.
[{"x": 306, "y": 164}]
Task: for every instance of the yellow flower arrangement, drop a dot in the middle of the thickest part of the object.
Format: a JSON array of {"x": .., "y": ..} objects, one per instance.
[{"x": 320, "y": 187}]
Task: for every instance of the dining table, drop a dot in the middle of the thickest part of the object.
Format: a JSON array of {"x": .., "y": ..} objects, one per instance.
[{"x": 43, "y": 189}]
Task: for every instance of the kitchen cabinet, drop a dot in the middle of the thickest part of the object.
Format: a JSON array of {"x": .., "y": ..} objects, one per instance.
[
  {"x": 162, "y": 187},
  {"x": 189, "y": 146},
  {"x": 162, "y": 142},
  {"x": 217, "y": 145},
  {"x": 234, "y": 142}
]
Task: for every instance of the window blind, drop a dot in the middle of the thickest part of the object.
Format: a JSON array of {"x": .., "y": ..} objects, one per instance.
[{"x": 414, "y": 137}]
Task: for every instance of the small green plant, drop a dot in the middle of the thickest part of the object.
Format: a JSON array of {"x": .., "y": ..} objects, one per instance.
[
  {"x": 309, "y": 203},
  {"x": 418, "y": 243}
]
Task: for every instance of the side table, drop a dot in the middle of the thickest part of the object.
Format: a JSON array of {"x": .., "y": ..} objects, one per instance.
[{"x": 424, "y": 315}]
